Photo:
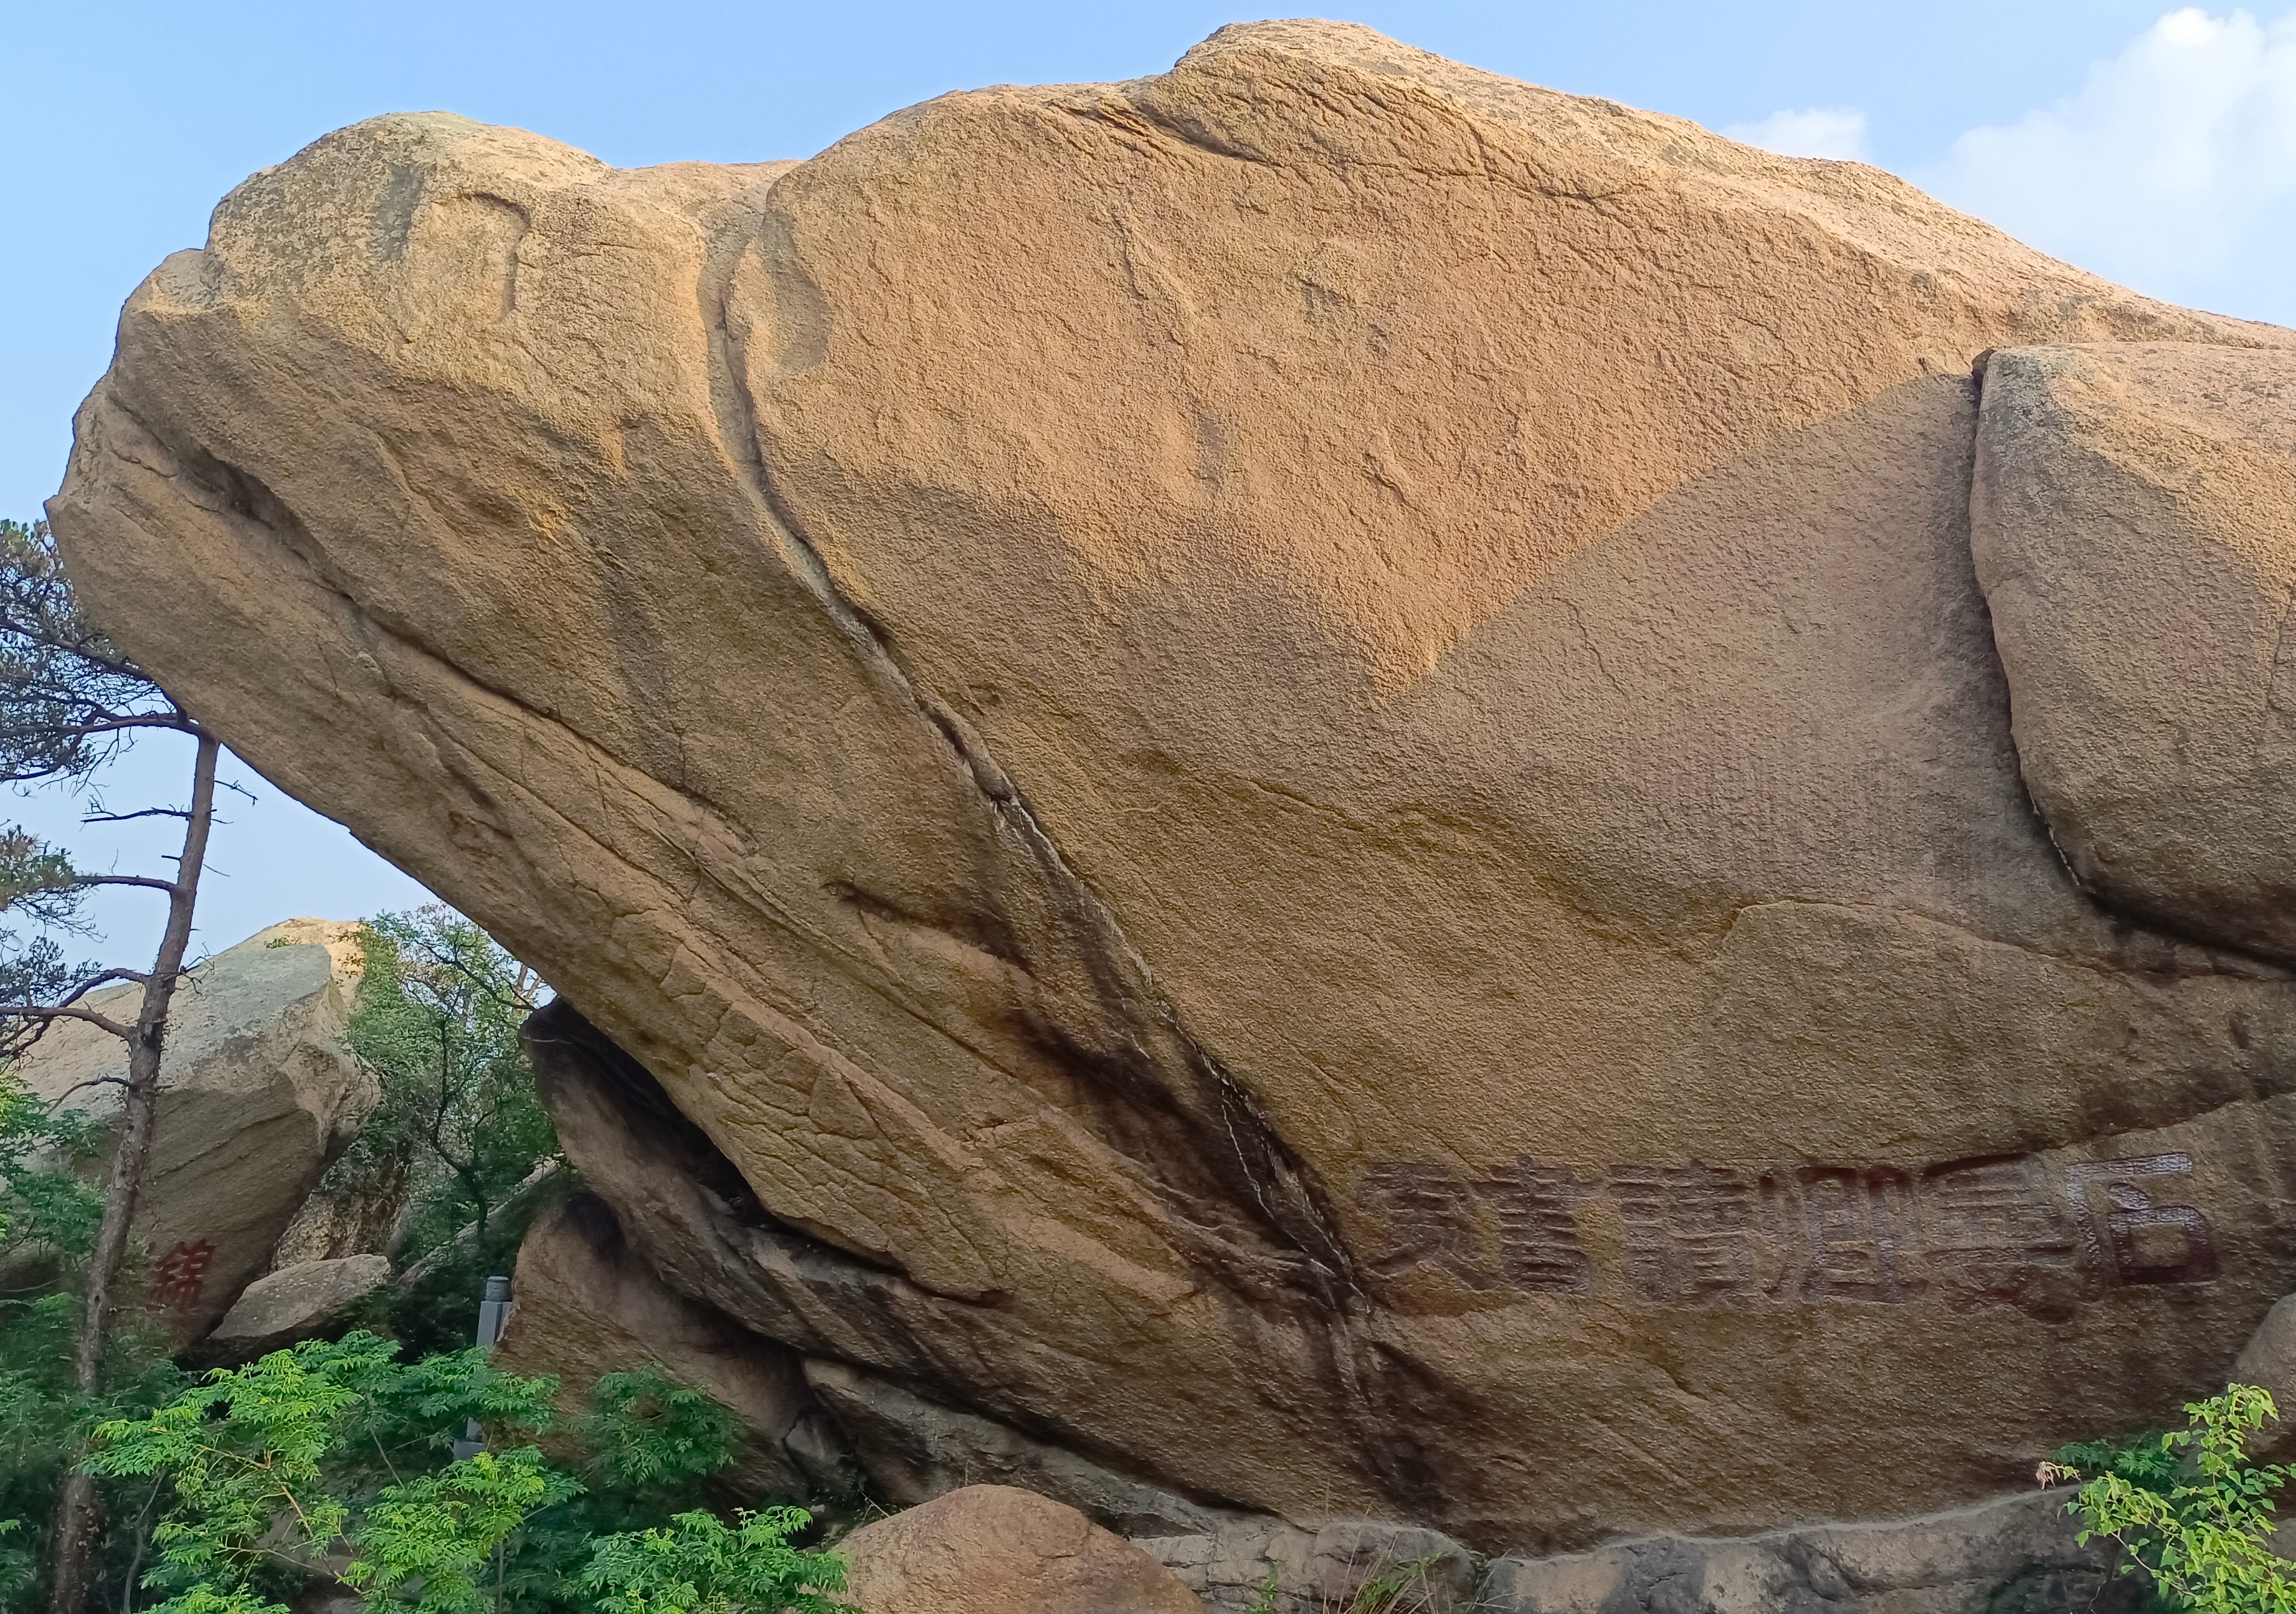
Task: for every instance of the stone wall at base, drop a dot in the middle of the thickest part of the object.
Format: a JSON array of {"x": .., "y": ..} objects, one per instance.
[
  {"x": 2016, "y": 1555},
  {"x": 1265, "y": 1566}
]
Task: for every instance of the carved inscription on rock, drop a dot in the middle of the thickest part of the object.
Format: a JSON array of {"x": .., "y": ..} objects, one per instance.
[
  {"x": 179, "y": 1278},
  {"x": 2010, "y": 1231}
]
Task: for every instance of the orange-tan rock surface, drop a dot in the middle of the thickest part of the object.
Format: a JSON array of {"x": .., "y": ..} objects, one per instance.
[
  {"x": 1297, "y": 768},
  {"x": 989, "y": 1549}
]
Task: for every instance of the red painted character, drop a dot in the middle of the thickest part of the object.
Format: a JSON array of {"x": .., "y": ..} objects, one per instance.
[{"x": 181, "y": 1275}]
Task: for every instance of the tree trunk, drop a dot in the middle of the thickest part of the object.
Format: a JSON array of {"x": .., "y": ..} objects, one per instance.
[{"x": 76, "y": 1520}]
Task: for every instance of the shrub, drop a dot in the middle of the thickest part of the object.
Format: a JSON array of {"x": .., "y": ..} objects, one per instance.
[
  {"x": 698, "y": 1566},
  {"x": 330, "y": 1461},
  {"x": 2188, "y": 1508}
]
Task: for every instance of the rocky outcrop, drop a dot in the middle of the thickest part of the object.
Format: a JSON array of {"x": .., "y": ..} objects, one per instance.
[
  {"x": 586, "y": 1305},
  {"x": 308, "y": 1300},
  {"x": 989, "y": 1549},
  {"x": 257, "y": 1093},
  {"x": 1292, "y": 776},
  {"x": 2134, "y": 529}
]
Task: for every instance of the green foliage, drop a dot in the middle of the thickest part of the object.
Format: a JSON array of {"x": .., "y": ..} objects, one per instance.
[
  {"x": 1397, "y": 1588},
  {"x": 1263, "y": 1595},
  {"x": 650, "y": 1448},
  {"x": 48, "y": 1217},
  {"x": 281, "y": 1468},
  {"x": 649, "y": 1434},
  {"x": 2188, "y": 1507},
  {"x": 274, "y": 1462},
  {"x": 37, "y": 879},
  {"x": 68, "y": 695},
  {"x": 459, "y": 1127},
  {"x": 47, "y": 1222},
  {"x": 437, "y": 1532},
  {"x": 700, "y": 1566},
  {"x": 49, "y": 1210}
]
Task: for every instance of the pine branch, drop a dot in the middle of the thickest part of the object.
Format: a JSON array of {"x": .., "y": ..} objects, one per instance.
[{"x": 39, "y": 1011}]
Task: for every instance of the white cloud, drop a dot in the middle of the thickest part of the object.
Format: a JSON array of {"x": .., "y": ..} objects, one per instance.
[
  {"x": 1818, "y": 131},
  {"x": 2173, "y": 169}
]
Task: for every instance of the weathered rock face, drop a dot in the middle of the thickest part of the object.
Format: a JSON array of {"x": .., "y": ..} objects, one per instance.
[
  {"x": 2017, "y": 1556},
  {"x": 1295, "y": 771},
  {"x": 256, "y": 1095},
  {"x": 2135, "y": 533},
  {"x": 587, "y": 1305}
]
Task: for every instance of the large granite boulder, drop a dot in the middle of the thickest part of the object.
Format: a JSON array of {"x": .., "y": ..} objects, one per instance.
[
  {"x": 257, "y": 1094},
  {"x": 1294, "y": 773}
]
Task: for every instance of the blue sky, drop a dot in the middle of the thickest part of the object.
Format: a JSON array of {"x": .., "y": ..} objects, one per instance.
[{"x": 2153, "y": 144}]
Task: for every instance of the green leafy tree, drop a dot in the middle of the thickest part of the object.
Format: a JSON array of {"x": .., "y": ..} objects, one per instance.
[
  {"x": 70, "y": 701},
  {"x": 650, "y": 1448},
  {"x": 277, "y": 1465},
  {"x": 459, "y": 1130},
  {"x": 49, "y": 1215},
  {"x": 2188, "y": 1508},
  {"x": 330, "y": 1462},
  {"x": 440, "y": 1533},
  {"x": 47, "y": 1220},
  {"x": 651, "y": 1439}
]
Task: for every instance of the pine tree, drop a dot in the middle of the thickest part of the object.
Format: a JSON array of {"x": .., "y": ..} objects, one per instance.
[{"x": 70, "y": 703}]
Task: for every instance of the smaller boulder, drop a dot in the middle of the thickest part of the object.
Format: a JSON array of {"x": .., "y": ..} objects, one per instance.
[
  {"x": 305, "y": 1301},
  {"x": 257, "y": 1094},
  {"x": 990, "y": 1549}
]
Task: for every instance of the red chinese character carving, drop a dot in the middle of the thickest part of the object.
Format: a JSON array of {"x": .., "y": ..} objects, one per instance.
[
  {"x": 1430, "y": 1220},
  {"x": 1857, "y": 1227},
  {"x": 181, "y": 1275},
  {"x": 2137, "y": 1240},
  {"x": 1537, "y": 1206},
  {"x": 1993, "y": 1233},
  {"x": 1692, "y": 1231}
]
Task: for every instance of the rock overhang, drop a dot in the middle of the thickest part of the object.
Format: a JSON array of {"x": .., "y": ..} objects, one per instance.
[{"x": 1308, "y": 747}]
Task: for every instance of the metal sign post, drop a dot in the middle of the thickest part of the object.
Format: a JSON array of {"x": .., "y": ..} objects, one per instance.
[{"x": 494, "y": 1311}]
